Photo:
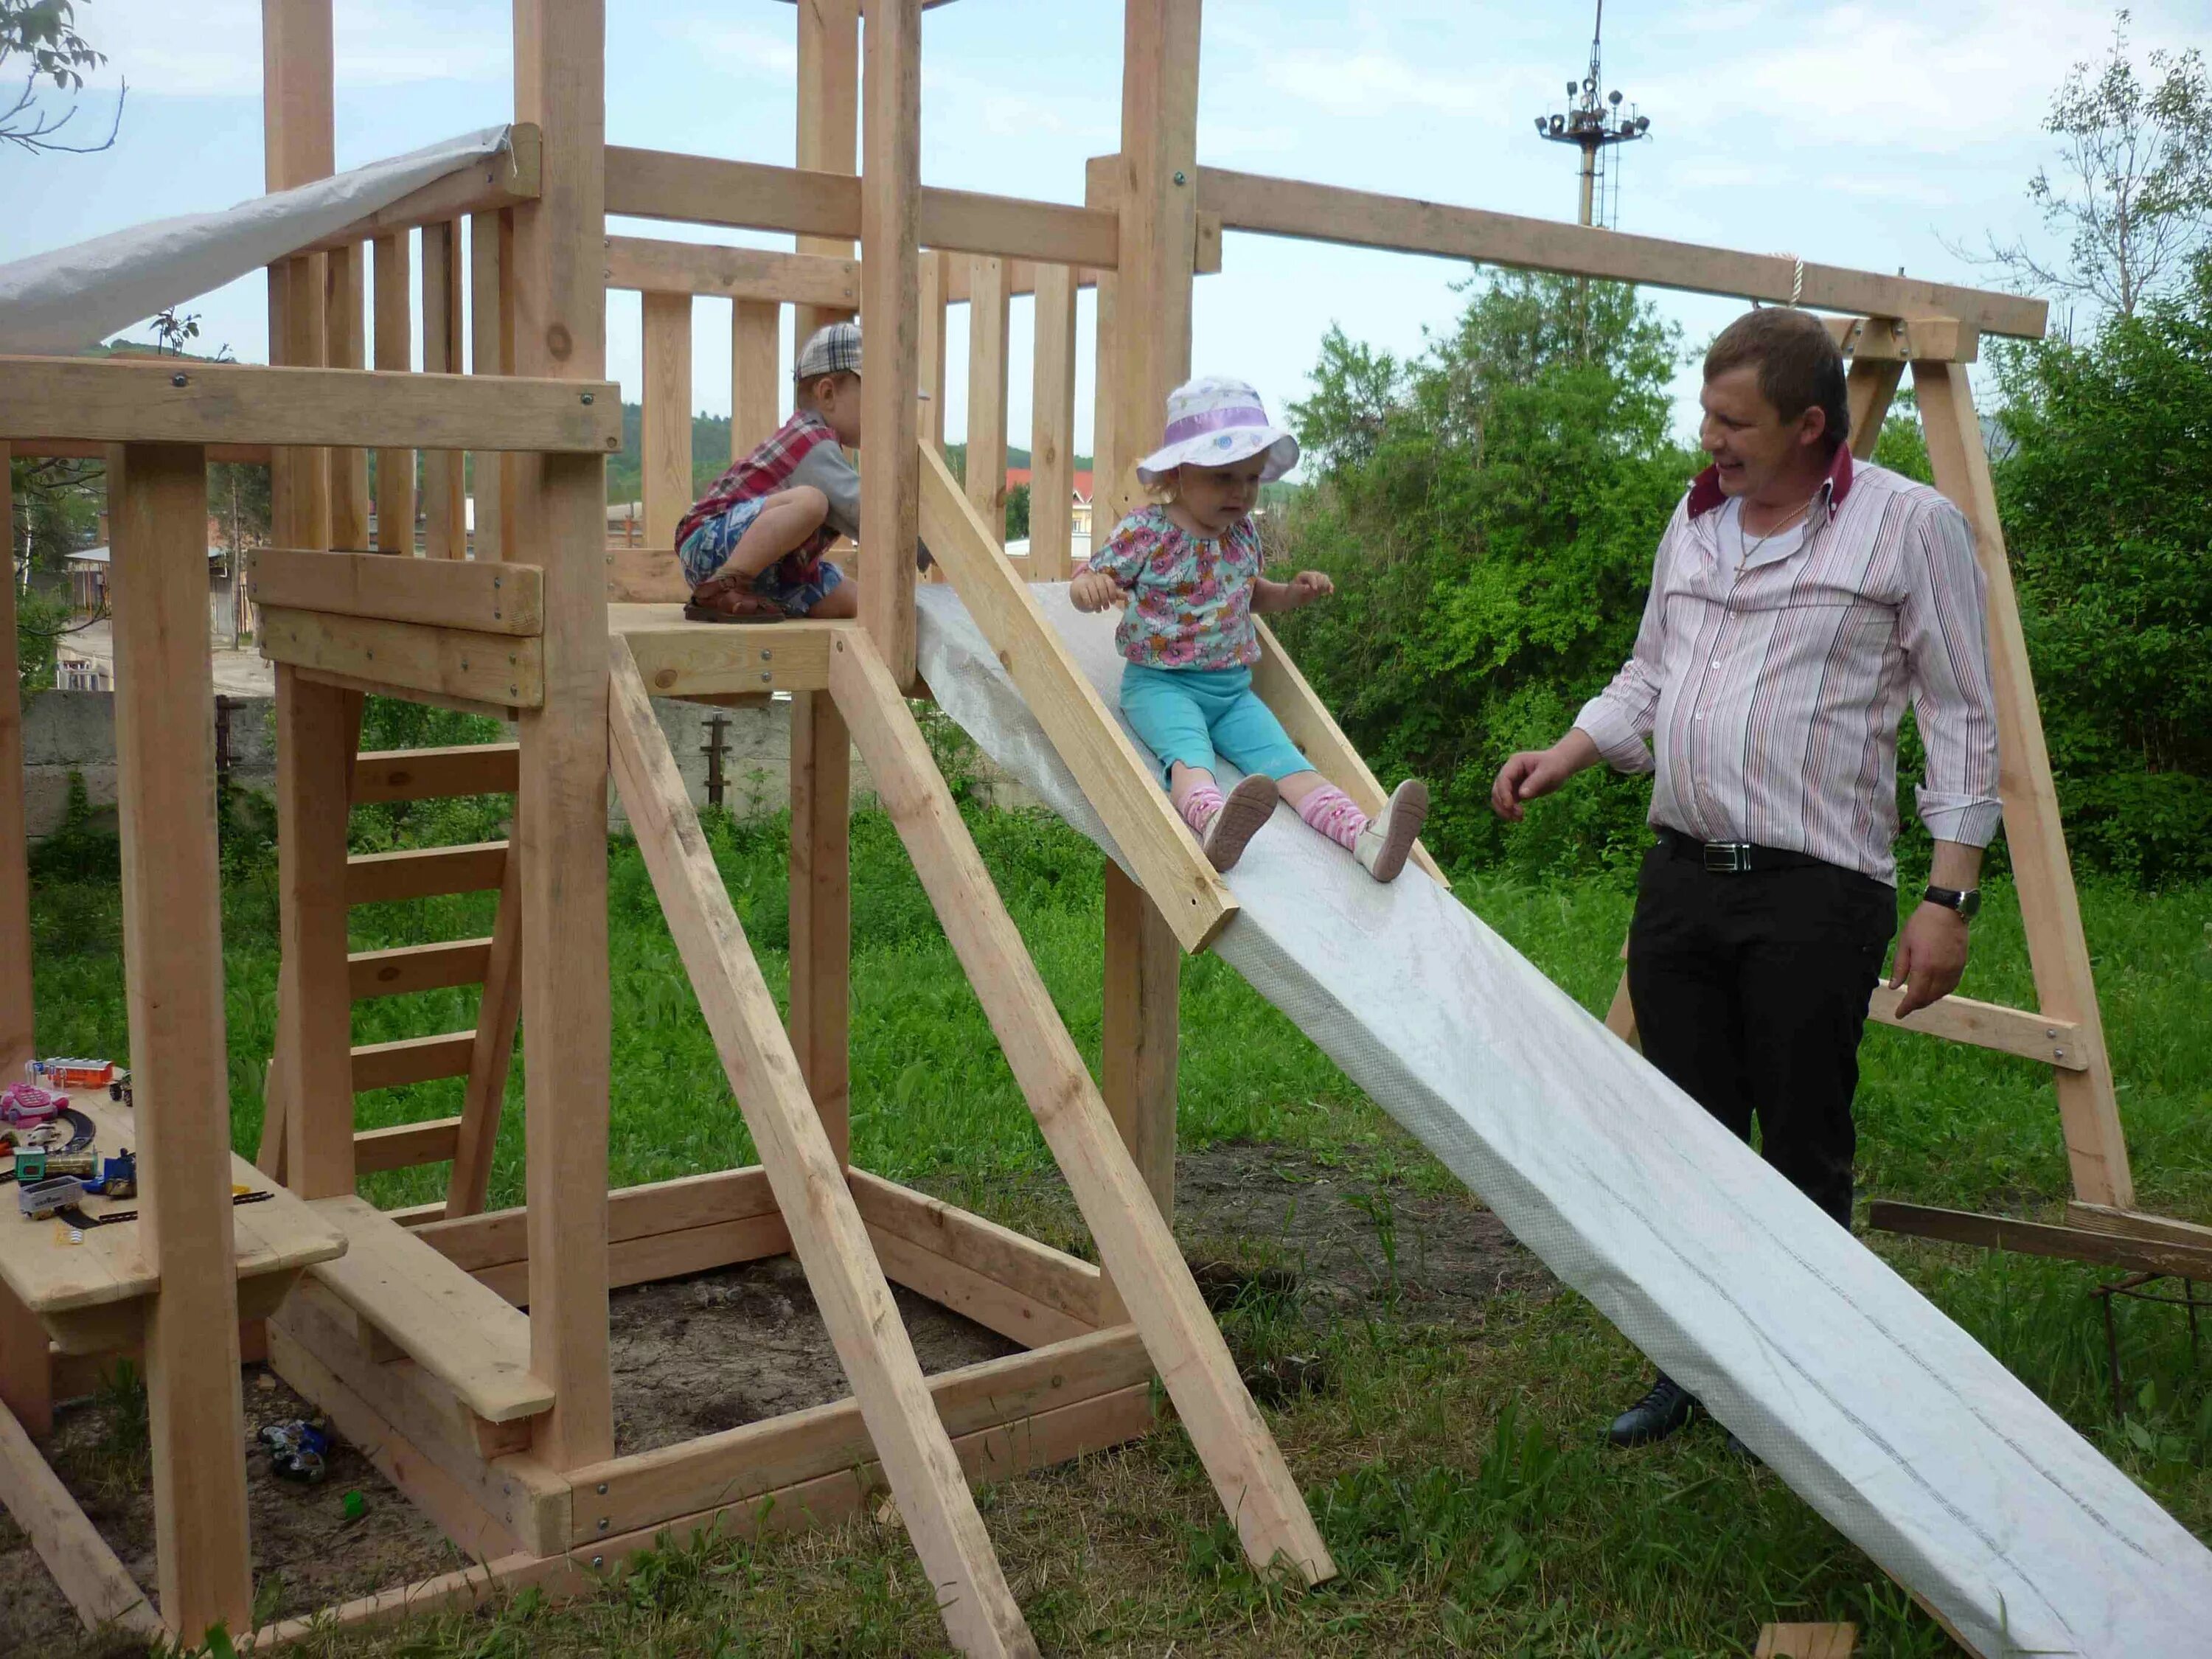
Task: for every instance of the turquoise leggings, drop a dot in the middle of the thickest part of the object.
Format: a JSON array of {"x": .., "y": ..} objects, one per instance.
[{"x": 1194, "y": 714}]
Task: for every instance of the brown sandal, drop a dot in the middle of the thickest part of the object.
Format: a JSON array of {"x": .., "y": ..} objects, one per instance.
[{"x": 732, "y": 604}]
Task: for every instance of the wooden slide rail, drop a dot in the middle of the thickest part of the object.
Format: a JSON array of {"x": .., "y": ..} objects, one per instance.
[{"x": 499, "y": 180}]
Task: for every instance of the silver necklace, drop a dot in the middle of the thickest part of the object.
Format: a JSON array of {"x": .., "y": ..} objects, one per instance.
[{"x": 1752, "y": 546}]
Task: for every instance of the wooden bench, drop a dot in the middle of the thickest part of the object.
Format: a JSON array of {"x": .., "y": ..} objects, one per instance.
[
  {"x": 90, "y": 1293},
  {"x": 463, "y": 1333}
]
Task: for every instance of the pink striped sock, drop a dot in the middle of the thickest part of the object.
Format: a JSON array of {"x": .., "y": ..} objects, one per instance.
[
  {"x": 1330, "y": 810},
  {"x": 1200, "y": 807}
]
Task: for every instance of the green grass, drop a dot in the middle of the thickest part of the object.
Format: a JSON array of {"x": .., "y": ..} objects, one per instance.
[{"x": 1456, "y": 1472}]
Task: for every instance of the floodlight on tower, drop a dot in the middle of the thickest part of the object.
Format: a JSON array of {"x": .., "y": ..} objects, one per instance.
[{"x": 1594, "y": 124}]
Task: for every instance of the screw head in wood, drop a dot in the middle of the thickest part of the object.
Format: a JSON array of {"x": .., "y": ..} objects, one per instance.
[
  {"x": 599, "y": 1561},
  {"x": 603, "y": 1489},
  {"x": 1179, "y": 178},
  {"x": 586, "y": 396},
  {"x": 602, "y": 1523},
  {"x": 179, "y": 379}
]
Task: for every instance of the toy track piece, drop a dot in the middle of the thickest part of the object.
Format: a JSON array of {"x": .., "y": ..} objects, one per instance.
[{"x": 80, "y": 1130}]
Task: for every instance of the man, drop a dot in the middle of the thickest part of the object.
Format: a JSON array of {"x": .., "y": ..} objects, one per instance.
[{"x": 1798, "y": 599}]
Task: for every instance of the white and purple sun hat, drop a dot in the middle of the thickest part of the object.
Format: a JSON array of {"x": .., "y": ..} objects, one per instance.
[{"x": 1215, "y": 422}]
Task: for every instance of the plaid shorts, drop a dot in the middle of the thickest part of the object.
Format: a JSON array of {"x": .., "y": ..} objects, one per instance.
[{"x": 793, "y": 586}]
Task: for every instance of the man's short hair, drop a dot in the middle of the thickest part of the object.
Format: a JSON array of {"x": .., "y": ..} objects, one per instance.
[{"x": 1799, "y": 366}]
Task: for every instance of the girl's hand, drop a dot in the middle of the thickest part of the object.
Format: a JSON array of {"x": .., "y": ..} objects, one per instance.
[
  {"x": 1308, "y": 586},
  {"x": 1094, "y": 589}
]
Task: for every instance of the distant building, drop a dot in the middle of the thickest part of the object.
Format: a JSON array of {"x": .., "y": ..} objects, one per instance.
[{"x": 1082, "y": 493}]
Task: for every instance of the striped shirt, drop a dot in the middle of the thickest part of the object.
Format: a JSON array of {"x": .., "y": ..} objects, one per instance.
[{"x": 1769, "y": 686}]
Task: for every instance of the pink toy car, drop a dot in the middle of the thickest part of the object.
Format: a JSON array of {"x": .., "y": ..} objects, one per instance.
[{"x": 25, "y": 1105}]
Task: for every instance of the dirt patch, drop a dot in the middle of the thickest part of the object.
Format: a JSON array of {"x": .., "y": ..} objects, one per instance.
[
  {"x": 690, "y": 1356},
  {"x": 1284, "y": 1244}
]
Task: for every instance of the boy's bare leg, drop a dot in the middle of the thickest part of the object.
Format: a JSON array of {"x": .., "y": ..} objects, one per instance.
[
  {"x": 786, "y": 519},
  {"x": 840, "y": 603}
]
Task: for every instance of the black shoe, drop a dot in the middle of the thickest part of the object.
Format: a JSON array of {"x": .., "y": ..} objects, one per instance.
[
  {"x": 1667, "y": 1408},
  {"x": 1738, "y": 1450}
]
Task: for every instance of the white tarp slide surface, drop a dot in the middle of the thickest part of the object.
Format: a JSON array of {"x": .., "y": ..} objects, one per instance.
[
  {"x": 1881, "y": 1412},
  {"x": 71, "y": 300}
]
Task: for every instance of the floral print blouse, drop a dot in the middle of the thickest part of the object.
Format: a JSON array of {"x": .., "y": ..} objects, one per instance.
[{"x": 1190, "y": 596}]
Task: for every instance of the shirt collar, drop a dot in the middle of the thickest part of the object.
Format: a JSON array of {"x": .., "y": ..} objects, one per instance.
[{"x": 1706, "y": 492}]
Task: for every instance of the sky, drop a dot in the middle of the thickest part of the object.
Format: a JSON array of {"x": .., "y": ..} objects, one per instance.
[{"x": 1865, "y": 134}]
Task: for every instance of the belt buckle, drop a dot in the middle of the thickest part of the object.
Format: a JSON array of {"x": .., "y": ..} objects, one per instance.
[{"x": 1727, "y": 858}]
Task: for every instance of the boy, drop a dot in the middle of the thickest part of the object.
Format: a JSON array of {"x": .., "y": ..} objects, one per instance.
[{"x": 752, "y": 547}]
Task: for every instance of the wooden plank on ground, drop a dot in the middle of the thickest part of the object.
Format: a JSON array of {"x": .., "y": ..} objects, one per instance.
[
  {"x": 1807, "y": 1641},
  {"x": 752, "y": 273},
  {"x": 1017, "y": 1317},
  {"x": 1117, "y": 782},
  {"x": 1135, "y": 1245},
  {"x": 647, "y": 184},
  {"x": 405, "y": 1145},
  {"x": 2130, "y": 1223},
  {"x": 174, "y": 983},
  {"x": 633, "y": 1212},
  {"x": 826, "y": 1232},
  {"x": 1326, "y": 213},
  {"x": 485, "y": 598},
  {"x": 424, "y": 873},
  {"x": 1052, "y": 1277},
  {"x": 453, "y": 662},
  {"x": 439, "y": 1316},
  {"x": 144, "y": 399},
  {"x": 640, "y": 1491},
  {"x": 475, "y": 769},
  {"x": 1996, "y": 1232},
  {"x": 84, "y": 1568},
  {"x": 405, "y": 969},
  {"x": 411, "y": 1060}
]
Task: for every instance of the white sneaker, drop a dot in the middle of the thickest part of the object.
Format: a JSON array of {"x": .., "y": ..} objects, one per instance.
[
  {"x": 1390, "y": 835},
  {"x": 1249, "y": 806}
]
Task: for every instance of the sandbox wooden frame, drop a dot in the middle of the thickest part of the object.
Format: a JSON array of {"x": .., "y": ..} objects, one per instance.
[{"x": 404, "y": 1327}]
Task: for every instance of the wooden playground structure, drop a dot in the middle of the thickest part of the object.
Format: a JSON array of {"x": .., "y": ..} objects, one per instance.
[{"x": 469, "y": 1347}]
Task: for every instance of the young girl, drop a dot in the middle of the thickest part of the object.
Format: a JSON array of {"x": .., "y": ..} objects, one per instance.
[{"x": 1189, "y": 572}]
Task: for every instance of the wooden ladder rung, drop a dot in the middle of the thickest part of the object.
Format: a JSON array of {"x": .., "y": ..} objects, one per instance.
[
  {"x": 425, "y": 872},
  {"x": 405, "y": 1145},
  {"x": 411, "y": 1060},
  {"x": 406, "y": 968},
  {"x": 475, "y": 769}
]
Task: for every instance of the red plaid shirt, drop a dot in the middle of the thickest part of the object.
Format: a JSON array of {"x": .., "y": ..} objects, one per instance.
[{"x": 763, "y": 472}]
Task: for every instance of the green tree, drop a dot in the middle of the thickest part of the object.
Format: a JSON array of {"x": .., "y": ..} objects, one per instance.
[
  {"x": 42, "y": 33},
  {"x": 2107, "y": 502},
  {"x": 1018, "y": 513},
  {"x": 1489, "y": 511}
]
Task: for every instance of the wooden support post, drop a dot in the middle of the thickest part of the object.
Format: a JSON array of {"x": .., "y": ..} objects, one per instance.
[
  {"x": 757, "y": 375},
  {"x": 1052, "y": 427},
  {"x": 298, "y": 145},
  {"x": 27, "y": 1368},
  {"x": 807, "y": 1177},
  {"x": 1105, "y": 458},
  {"x": 890, "y": 490},
  {"x": 173, "y": 978},
  {"x": 491, "y": 352},
  {"x": 395, "y": 468},
  {"x": 2051, "y": 911},
  {"x": 469, "y": 1187},
  {"x": 930, "y": 347},
  {"x": 346, "y": 321},
  {"x": 1137, "y": 1057},
  {"x": 444, "y": 532},
  {"x": 829, "y": 122},
  {"x": 318, "y": 731},
  {"x": 1134, "y": 1243},
  {"x": 665, "y": 423},
  {"x": 560, "y": 332},
  {"x": 987, "y": 392},
  {"x": 17, "y": 1030},
  {"x": 1870, "y": 387},
  {"x": 821, "y": 909}
]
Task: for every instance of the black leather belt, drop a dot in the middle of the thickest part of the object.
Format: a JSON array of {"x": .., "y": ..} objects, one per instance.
[{"x": 1732, "y": 858}]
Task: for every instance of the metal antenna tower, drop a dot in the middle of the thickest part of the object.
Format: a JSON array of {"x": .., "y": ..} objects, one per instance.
[{"x": 1593, "y": 122}]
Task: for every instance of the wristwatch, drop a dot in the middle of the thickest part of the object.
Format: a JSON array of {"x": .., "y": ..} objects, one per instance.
[{"x": 1966, "y": 903}]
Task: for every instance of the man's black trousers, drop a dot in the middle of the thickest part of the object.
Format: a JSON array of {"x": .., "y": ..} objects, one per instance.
[{"x": 1750, "y": 992}]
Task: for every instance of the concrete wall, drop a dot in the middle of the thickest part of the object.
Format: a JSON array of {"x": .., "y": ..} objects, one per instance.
[{"x": 74, "y": 731}]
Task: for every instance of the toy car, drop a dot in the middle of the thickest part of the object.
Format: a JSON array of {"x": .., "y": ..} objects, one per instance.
[
  {"x": 43, "y": 1198},
  {"x": 25, "y": 1105},
  {"x": 80, "y": 1073}
]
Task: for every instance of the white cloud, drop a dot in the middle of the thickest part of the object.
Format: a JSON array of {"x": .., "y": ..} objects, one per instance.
[{"x": 218, "y": 54}]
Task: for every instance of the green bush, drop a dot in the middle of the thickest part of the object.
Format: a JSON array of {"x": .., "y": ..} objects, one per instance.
[{"x": 1489, "y": 511}]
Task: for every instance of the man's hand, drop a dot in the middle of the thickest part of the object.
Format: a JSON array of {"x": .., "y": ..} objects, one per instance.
[
  {"x": 1931, "y": 954},
  {"x": 1535, "y": 771},
  {"x": 1308, "y": 586},
  {"x": 1094, "y": 589}
]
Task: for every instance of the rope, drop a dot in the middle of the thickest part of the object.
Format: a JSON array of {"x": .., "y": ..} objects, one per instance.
[{"x": 1797, "y": 280}]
